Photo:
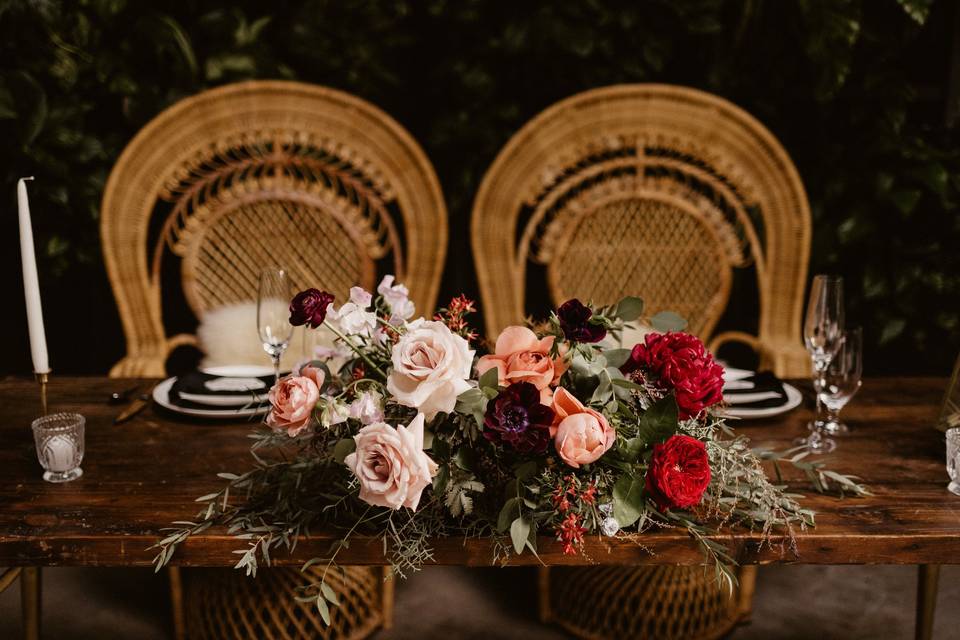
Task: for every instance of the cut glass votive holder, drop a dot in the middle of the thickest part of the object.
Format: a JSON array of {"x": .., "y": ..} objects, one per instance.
[
  {"x": 59, "y": 440},
  {"x": 953, "y": 459}
]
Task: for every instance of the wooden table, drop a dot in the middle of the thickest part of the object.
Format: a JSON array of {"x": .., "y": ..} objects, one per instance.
[{"x": 144, "y": 474}]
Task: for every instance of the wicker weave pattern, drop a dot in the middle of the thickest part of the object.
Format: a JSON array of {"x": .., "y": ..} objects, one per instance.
[
  {"x": 230, "y": 606},
  {"x": 666, "y": 603},
  {"x": 257, "y": 174},
  {"x": 651, "y": 190}
]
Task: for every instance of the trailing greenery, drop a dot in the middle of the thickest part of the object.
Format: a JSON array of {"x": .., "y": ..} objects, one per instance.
[{"x": 851, "y": 87}]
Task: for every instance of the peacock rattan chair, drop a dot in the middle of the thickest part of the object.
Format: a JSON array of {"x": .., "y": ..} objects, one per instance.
[
  {"x": 662, "y": 192},
  {"x": 231, "y": 180},
  {"x": 226, "y": 182},
  {"x": 650, "y": 190}
]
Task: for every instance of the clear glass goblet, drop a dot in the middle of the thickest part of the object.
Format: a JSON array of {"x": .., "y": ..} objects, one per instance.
[
  {"x": 822, "y": 335},
  {"x": 273, "y": 314},
  {"x": 841, "y": 380}
]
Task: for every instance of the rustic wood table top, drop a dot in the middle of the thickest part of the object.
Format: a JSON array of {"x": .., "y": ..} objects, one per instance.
[{"x": 142, "y": 475}]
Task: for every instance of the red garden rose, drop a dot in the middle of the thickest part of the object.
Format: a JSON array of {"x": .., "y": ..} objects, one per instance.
[
  {"x": 679, "y": 472},
  {"x": 680, "y": 362}
]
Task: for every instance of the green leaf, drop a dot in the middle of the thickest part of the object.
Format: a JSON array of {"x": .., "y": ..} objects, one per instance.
[
  {"x": 668, "y": 321},
  {"x": 632, "y": 448},
  {"x": 660, "y": 421},
  {"x": 510, "y": 510},
  {"x": 519, "y": 532},
  {"x": 616, "y": 357},
  {"x": 629, "y": 308},
  {"x": 526, "y": 470},
  {"x": 440, "y": 480},
  {"x": 490, "y": 379},
  {"x": 343, "y": 448},
  {"x": 324, "y": 610},
  {"x": 329, "y": 594},
  {"x": 892, "y": 329},
  {"x": 627, "y": 500},
  {"x": 627, "y": 384}
]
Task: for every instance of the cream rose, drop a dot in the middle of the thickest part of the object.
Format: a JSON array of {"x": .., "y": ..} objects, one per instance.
[
  {"x": 431, "y": 366},
  {"x": 390, "y": 464},
  {"x": 293, "y": 399},
  {"x": 581, "y": 434}
]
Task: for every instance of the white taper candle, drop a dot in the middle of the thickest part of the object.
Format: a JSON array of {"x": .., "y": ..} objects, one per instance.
[{"x": 31, "y": 284}]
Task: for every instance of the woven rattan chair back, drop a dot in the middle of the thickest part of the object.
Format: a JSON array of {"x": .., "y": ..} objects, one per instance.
[
  {"x": 649, "y": 190},
  {"x": 264, "y": 173}
]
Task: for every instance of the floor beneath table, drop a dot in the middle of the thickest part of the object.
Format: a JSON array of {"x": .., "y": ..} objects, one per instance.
[{"x": 791, "y": 602}]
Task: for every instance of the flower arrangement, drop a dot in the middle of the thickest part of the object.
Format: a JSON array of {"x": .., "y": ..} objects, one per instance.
[{"x": 557, "y": 431}]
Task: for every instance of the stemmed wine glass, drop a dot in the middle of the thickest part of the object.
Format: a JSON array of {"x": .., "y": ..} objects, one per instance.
[
  {"x": 841, "y": 380},
  {"x": 823, "y": 336},
  {"x": 273, "y": 314}
]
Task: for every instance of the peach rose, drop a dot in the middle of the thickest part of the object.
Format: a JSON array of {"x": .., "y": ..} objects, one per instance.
[
  {"x": 581, "y": 435},
  {"x": 293, "y": 399},
  {"x": 521, "y": 357},
  {"x": 390, "y": 464}
]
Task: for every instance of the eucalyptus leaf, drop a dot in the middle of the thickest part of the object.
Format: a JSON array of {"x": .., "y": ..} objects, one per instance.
[
  {"x": 509, "y": 511},
  {"x": 660, "y": 421},
  {"x": 616, "y": 357},
  {"x": 668, "y": 321},
  {"x": 329, "y": 594},
  {"x": 343, "y": 448},
  {"x": 629, "y": 308},
  {"x": 519, "y": 532},
  {"x": 627, "y": 500},
  {"x": 490, "y": 379}
]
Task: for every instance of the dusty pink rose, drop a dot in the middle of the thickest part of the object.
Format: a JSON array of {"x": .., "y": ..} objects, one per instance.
[
  {"x": 390, "y": 463},
  {"x": 293, "y": 399},
  {"x": 580, "y": 434},
  {"x": 522, "y": 357}
]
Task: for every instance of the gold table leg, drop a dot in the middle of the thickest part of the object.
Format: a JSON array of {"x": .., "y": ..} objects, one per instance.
[
  {"x": 928, "y": 578},
  {"x": 30, "y": 602}
]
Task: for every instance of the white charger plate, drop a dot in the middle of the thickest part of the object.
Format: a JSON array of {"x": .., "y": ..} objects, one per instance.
[
  {"x": 161, "y": 395},
  {"x": 794, "y": 398}
]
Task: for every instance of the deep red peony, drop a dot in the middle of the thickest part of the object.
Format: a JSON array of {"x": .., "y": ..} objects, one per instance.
[
  {"x": 683, "y": 364},
  {"x": 679, "y": 472}
]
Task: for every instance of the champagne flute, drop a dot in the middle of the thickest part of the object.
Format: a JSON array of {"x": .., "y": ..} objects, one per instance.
[
  {"x": 841, "y": 380},
  {"x": 273, "y": 314},
  {"x": 822, "y": 335}
]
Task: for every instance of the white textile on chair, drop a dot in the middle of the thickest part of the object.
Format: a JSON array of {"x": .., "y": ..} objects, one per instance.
[{"x": 228, "y": 336}]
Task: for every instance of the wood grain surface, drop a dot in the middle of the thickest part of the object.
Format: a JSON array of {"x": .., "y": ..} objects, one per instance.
[{"x": 142, "y": 475}]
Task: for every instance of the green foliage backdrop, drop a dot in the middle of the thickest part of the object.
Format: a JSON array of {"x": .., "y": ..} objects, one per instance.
[{"x": 855, "y": 89}]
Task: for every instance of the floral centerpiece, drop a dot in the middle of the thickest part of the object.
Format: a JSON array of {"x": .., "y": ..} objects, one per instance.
[{"x": 557, "y": 431}]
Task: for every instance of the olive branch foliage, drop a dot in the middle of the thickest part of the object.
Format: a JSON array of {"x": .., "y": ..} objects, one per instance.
[{"x": 300, "y": 485}]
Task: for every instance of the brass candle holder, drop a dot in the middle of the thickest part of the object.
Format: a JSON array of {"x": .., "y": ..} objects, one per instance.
[{"x": 42, "y": 380}]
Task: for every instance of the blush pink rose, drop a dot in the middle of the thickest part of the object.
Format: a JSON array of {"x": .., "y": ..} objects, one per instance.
[
  {"x": 391, "y": 465},
  {"x": 293, "y": 399},
  {"x": 580, "y": 434},
  {"x": 522, "y": 357}
]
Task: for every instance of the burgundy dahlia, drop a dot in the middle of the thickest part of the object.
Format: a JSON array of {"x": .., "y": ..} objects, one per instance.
[
  {"x": 516, "y": 418},
  {"x": 681, "y": 363},
  {"x": 575, "y": 321},
  {"x": 310, "y": 308}
]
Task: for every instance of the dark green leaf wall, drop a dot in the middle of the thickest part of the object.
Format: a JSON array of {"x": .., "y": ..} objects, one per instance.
[{"x": 859, "y": 93}]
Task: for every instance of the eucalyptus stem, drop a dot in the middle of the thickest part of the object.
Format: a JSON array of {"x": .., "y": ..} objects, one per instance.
[{"x": 355, "y": 349}]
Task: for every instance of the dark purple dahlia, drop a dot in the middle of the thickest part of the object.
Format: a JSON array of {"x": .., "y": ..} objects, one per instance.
[
  {"x": 309, "y": 307},
  {"x": 575, "y": 322},
  {"x": 516, "y": 418}
]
